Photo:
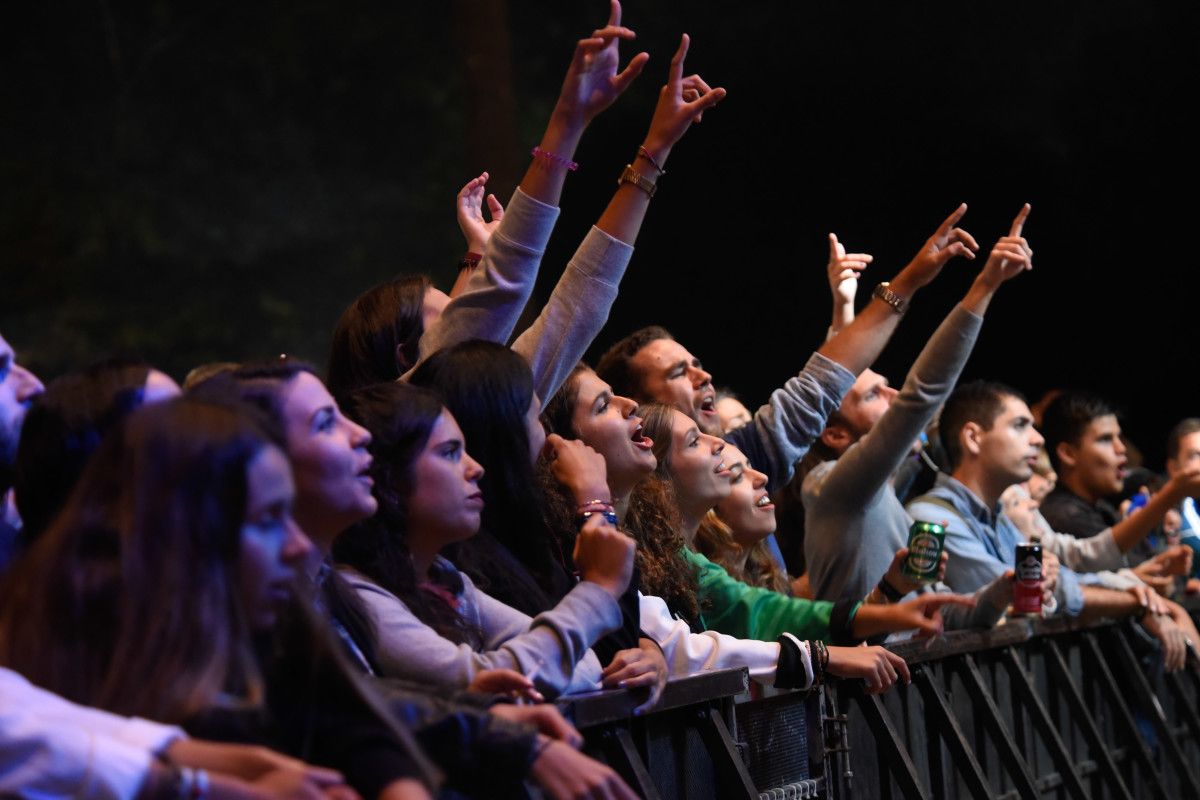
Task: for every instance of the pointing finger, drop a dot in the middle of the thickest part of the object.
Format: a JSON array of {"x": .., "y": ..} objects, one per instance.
[
  {"x": 952, "y": 220},
  {"x": 1019, "y": 221},
  {"x": 614, "y": 13},
  {"x": 675, "y": 75}
]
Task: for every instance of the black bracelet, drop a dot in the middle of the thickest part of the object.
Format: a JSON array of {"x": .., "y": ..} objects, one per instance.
[
  {"x": 819, "y": 657},
  {"x": 888, "y": 591}
]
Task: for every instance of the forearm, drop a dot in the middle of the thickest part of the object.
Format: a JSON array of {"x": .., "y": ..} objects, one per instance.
[
  {"x": 979, "y": 296},
  {"x": 545, "y": 177},
  {"x": 1131, "y": 530},
  {"x": 843, "y": 315},
  {"x": 1100, "y": 603},
  {"x": 575, "y": 312},
  {"x": 623, "y": 217},
  {"x": 858, "y": 344}
]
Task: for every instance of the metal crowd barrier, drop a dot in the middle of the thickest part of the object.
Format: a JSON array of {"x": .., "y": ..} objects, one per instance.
[{"x": 1032, "y": 709}]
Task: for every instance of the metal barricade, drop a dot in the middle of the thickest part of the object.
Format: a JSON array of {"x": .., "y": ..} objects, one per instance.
[{"x": 1031, "y": 709}]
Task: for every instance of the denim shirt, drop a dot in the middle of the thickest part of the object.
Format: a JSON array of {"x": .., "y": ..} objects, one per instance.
[{"x": 981, "y": 541}]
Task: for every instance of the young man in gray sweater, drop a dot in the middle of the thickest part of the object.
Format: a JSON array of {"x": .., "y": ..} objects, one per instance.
[{"x": 854, "y": 523}]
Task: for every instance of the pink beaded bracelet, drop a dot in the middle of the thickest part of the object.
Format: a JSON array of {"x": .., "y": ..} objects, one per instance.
[{"x": 555, "y": 158}]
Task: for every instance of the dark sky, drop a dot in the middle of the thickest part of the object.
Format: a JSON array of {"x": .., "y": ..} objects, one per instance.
[{"x": 218, "y": 183}]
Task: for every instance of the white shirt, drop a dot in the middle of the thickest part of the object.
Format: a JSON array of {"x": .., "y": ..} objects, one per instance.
[{"x": 52, "y": 748}]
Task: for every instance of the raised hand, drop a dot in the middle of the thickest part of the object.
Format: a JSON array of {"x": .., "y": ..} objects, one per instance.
[
  {"x": 681, "y": 102},
  {"x": 469, "y": 210},
  {"x": 604, "y": 555},
  {"x": 1011, "y": 256},
  {"x": 843, "y": 270},
  {"x": 946, "y": 242},
  {"x": 878, "y": 667},
  {"x": 593, "y": 82}
]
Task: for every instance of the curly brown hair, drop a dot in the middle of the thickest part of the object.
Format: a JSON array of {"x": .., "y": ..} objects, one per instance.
[
  {"x": 652, "y": 519},
  {"x": 715, "y": 541}
]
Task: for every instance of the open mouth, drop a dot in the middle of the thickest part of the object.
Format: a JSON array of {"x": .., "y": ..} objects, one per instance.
[
  {"x": 764, "y": 501},
  {"x": 708, "y": 404},
  {"x": 640, "y": 439},
  {"x": 721, "y": 467}
]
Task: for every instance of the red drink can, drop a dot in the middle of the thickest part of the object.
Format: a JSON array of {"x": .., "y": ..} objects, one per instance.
[{"x": 1027, "y": 588}]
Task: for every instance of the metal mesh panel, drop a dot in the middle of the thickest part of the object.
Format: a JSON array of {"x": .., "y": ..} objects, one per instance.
[{"x": 775, "y": 732}]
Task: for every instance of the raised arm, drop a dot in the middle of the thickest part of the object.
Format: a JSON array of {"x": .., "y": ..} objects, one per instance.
[
  {"x": 864, "y": 467},
  {"x": 843, "y": 270},
  {"x": 492, "y": 301},
  {"x": 476, "y": 230},
  {"x": 859, "y": 344},
  {"x": 579, "y": 305}
]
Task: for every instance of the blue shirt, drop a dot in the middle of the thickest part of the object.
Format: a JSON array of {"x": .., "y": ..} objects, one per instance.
[{"x": 981, "y": 541}]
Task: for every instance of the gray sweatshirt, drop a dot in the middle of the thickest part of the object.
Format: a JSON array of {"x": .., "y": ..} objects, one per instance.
[
  {"x": 498, "y": 291},
  {"x": 854, "y": 523},
  {"x": 552, "y": 648}
]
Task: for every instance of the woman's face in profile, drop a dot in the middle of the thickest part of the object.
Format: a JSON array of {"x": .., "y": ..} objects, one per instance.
[
  {"x": 329, "y": 460},
  {"x": 273, "y": 549}
]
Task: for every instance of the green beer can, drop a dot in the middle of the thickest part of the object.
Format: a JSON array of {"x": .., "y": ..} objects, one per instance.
[{"x": 925, "y": 541}]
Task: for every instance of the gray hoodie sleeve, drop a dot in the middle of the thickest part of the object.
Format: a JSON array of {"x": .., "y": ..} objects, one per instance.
[
  {"x": 548, "y": 647},
  {"x": 575, "y": 312},
  {"x": 785, "y": 427},
  {"x": 866, "y": 466},
  {"x": 496, "y": 295}
]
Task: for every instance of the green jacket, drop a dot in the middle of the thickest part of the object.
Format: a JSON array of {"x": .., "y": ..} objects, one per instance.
[{"x": 750, "y": 612}]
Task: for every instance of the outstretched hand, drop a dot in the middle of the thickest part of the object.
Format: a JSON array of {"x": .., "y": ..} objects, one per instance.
[
  {"x": 593, "y": 83},
  {"x": 1011, "y": 256},
  {"x": 681, "y": 102},
  {"x": 469, "y": 210},
  {"x": 946, "y": 242},
  {"x": 924, "y": 613},
  {"x": 843, "y": 270}
]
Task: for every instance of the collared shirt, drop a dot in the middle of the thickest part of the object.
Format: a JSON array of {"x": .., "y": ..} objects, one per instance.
[{"x": 981, "y": 541}]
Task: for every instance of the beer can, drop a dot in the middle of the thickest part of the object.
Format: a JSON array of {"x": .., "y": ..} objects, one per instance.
[
  {"x": 1027, "y": 587},
  {"x": 925, "y": 540}
]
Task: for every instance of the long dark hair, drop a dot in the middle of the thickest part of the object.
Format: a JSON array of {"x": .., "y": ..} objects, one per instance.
[
  {"x": 366, "y": 338},
  {"x": 489, "y": 389},
  {"x": 63, "y": 428},
  {"x": 146, "y": 551},
  {"x": 263, "y": 386},
  {"x": 400, "y": 418}
]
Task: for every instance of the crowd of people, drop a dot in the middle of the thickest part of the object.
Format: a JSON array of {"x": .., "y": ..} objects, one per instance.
[{"x": 370, "y": 580}]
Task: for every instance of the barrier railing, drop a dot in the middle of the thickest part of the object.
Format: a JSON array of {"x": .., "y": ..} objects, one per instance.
[{"x": 1031, "y": 709}]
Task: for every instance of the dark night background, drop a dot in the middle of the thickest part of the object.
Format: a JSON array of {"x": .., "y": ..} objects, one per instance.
[{"x": 190, "y": 182}]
